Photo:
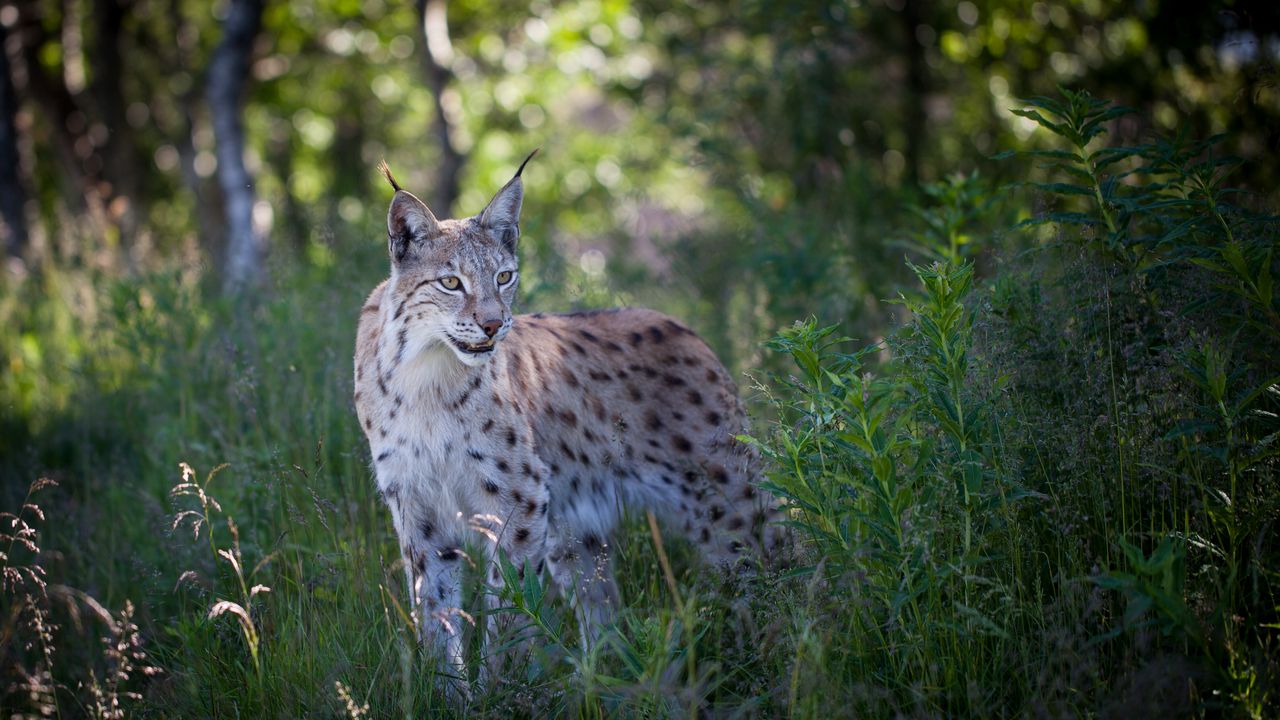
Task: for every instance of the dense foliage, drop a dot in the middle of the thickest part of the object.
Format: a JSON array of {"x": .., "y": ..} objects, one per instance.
[
  {"x": 1060, "y": 470},
  {"x": 1042, "y": 482}
]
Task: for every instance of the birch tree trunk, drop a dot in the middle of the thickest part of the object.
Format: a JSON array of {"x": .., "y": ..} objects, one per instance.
[{"x": 228, "y": 72}]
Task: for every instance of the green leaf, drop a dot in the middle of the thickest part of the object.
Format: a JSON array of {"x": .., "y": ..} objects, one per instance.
[
  {"x": 1234, "y": 256},
  {"x": 983, "y": 621},
  {"x": 1064, "y": 218},
  {"x": 1053, "y": 154},
  {"x": 1056, "y": 128},
  {"x": 1064, "y": 188},
  {"x": 1094, "y": 126},
  {"x": 1266, "y": 291}
]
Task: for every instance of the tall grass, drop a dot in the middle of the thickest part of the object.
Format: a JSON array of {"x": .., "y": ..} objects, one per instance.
[
  {"x": 1049, "y": 472},
  {"x": 1051, "y": 490}
]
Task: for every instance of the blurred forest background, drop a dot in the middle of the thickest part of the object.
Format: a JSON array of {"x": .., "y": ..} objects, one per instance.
[
  {"x": 695, "y": 146},
  {"x": 191, "y": 219}
]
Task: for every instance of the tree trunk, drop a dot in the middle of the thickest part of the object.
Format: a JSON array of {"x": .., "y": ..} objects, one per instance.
[
  {"x": 13, "y": 196},
  {"x": 228, "y": 71},
  {"x": 437, "y": 60},
  {"x": 80, "y": 161},
  {"x": 120, "y": 155},
  {"x": 915, "y": 117}
]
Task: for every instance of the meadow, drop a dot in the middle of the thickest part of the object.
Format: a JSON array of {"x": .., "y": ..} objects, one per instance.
[{"x": 1049, "y": 491}]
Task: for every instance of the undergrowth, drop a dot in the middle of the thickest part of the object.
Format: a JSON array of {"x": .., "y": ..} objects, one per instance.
[
  {"x": 1075, "y": 464},
  {"x": 1051, "y": 491}
]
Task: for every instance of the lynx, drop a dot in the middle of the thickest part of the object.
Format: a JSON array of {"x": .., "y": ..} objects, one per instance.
[{"x": 533, "y": 434}]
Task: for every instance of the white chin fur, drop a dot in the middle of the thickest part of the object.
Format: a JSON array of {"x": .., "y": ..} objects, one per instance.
[
  {"x": 473, "y": 360},
  {"x": 435, "y": 366}
]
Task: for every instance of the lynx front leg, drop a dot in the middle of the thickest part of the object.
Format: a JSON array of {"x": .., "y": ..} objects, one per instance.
[
  {"x": 435, "y": 591},
  {"x": 431, "y": 548}
]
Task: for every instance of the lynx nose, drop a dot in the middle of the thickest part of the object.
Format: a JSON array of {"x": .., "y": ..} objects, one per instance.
[{"x": 491, "y": 327}]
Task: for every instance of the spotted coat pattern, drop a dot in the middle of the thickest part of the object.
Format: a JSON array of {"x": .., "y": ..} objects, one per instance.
[{"x": 538, "y": 444}]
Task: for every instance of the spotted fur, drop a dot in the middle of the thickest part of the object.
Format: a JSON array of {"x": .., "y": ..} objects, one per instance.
[{"x": 539, "y": 445}]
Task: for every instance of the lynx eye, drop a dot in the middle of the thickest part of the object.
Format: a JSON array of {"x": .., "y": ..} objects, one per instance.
[
  {"x": 504, "y": 277},
  {"x": 450, "y": 283}
]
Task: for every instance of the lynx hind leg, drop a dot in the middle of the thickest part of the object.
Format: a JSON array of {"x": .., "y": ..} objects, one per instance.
[
  {"x": 733, "y": 522},
  {"x": 582, "y": 570},
  {"x": 523, "y": 540}
]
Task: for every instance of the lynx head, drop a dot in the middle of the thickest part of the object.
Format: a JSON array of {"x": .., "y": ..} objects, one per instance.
[{"x": 452, "y": 281}]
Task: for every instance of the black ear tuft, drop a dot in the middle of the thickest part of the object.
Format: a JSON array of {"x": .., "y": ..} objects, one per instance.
[
  {"x": 386, "y": 173},
  {"x": 526, "y": 161},
  {"x": 502, "y": 215}
]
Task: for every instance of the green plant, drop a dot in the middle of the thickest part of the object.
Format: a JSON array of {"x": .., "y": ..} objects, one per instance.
[
  {"x": 1189, "y": 306},
  {"x": 643, "y": 663},
  {"x": 189, "y": 486},
  {"x": 1153, "y": 584},
  {"x": 944, "y": 328},
  {"x": 1204, "y": 226},
  {"x": 951, "y": 221},
  {"x": 107, "y": 687},
  {"x": 892, "y": 479},
  {"x": 1159, "y": 202}
]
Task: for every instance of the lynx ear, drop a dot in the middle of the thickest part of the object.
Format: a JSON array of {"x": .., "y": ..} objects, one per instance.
[
  {"x": 502, "y": 215},
  {"x": 410, "y": 224}
]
